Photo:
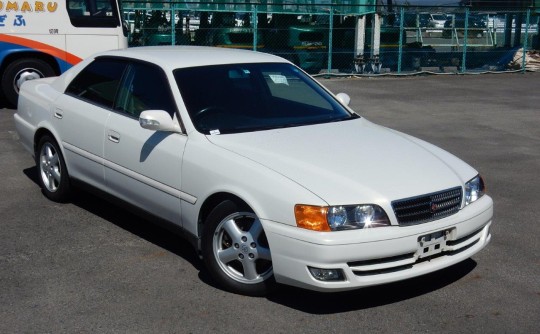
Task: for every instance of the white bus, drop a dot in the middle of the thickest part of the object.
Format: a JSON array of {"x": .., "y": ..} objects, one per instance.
[{"x": 46, "y": 37}]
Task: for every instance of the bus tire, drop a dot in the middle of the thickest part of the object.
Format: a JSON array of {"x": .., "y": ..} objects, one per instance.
[{"x": 22, "y": 70}]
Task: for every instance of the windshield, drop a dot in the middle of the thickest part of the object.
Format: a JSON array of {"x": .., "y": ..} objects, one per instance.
[{"x": 250, "y": 97}]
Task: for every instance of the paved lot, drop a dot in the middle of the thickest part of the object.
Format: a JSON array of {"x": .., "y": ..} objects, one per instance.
[{"x": 90, "y": 266}]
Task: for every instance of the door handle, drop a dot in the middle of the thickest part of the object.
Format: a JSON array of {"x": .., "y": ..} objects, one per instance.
[
  {"x": 113, "y": 136},
  {"x": 58, "y": 113}
]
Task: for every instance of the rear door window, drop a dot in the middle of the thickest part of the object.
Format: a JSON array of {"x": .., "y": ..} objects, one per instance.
[{"x": 98, "y": 82}]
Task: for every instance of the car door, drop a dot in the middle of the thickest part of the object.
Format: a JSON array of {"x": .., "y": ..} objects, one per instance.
[
  {"x": 143, "y": 166},
  {"x": 80, "y": 115}
]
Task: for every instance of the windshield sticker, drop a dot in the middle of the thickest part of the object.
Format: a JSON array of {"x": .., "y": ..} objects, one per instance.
[
  {"x": 279, "y": 79},
  {"x": 214, "y": 132}
]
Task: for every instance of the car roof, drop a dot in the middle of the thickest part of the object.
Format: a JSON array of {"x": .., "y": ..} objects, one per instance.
[{"x": 172, "y": 57}]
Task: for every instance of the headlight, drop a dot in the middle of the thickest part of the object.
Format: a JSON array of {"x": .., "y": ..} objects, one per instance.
[
  {"x": 474, "y": 189},
  {"x": 339, "y": 218}
]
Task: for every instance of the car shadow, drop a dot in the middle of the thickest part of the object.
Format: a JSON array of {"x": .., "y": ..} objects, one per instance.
[
  {"x": 144, "y": 227},
  {"x": 32, "y": 174},
  {"x": 128, "y": 219},
  {"x": 152, "y": 142},
  {"x": 365, "y": 298},
  {"x": 121, "y": 215}
]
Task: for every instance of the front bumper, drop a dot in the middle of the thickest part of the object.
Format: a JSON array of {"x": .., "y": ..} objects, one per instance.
[{"x": 376, "y": 256}]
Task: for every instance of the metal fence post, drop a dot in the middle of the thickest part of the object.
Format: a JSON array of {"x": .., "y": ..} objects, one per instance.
[
  {"x": 255, "y": 28},
  {"x": 330, "y": 38},
  {"x": 465, "y": 38},
  {"x": 400, "y": 49},
  {"x": 173, "y": 25},
  {"x": 376, "y": 36},
  {"x": 526, "y": 41}
]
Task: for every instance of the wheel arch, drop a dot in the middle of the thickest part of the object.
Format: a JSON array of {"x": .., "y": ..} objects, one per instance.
[
  {"x": 39, "y": 134},
  {"x": 16, "y": 55},
  {"x": 214, "y": 200}
]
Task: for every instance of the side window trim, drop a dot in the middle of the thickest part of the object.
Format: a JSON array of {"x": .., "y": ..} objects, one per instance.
[{"x": 120, "y": 95}]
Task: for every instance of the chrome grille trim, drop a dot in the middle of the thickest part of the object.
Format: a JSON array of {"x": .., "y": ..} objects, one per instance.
[{"x": 429, "y": 207}]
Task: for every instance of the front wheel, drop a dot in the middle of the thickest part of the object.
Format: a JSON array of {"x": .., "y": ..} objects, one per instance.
[
  {"x": 53, "y": 176},
  {"x": 236, "y": 251}
]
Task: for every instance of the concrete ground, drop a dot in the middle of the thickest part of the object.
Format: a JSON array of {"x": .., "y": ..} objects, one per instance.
[{"x": 91, "y": 266}]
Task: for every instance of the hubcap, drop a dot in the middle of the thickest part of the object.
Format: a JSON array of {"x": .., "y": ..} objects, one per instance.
[
  {"x": 25, "y": 75},
  {"x": 49, "y": 167},
  {"x": 241, "y": 248}
]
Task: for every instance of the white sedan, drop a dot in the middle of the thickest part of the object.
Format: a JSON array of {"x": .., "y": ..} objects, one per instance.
[{"x": 271, "y": 177}]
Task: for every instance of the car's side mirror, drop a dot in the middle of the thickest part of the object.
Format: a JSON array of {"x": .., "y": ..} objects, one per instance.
[
  {"x": 158, "y": 120},
  {"x": 343, "y": 98}
]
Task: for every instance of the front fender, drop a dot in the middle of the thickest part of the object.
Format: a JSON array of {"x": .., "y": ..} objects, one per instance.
[{"x": 208, "y": 169}]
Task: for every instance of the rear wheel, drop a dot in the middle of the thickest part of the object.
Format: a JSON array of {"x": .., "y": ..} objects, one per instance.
[
  {"x": 53, "y": 176},
  {"x": 20, "y": 71},
  {"x": 236, "y": 251}
]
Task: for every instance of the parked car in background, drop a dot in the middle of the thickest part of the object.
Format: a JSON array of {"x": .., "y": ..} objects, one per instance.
[
  {"x": 455, "y": 24},
  {"x": 270, "y": 176},
  {"x": 437, "y": 21},
  {"x": 414, "y": 20}
]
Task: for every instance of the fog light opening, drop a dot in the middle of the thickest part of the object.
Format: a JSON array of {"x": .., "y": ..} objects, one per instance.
[{"x": 327, "y": 275}]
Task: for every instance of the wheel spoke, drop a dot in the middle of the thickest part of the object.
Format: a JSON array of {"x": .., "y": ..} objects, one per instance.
[
  {"x": 232, "y": 230},
  {"x": 54, "y": 160},
  {"x": 48, "y": 153},
  {"x": 227, "y": 255},
  {"x": 52, "y": 185},
  {"x": 250, "y": 271},
  {"x": 43, "y": 163},
  {"x": 55, "y": 173}
]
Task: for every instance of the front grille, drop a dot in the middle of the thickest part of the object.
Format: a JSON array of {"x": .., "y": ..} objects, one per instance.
[{"x": 425, "y": 208}]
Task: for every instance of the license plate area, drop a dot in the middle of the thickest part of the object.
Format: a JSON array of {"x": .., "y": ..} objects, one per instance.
[{"x": 433, "y": 243}]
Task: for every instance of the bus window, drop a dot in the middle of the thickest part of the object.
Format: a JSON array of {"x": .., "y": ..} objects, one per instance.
[{"x": 93, "y": 13}]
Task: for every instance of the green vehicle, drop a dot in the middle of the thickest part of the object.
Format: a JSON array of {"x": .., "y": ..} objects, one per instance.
[
  {"x": 222, "y": 30},
  {"x": 156, "y": 29},
  {"x": 303, "y": 43}
]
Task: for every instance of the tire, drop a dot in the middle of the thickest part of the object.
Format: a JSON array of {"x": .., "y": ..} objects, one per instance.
[
  {"x": 20, "y": 71},
  {"x": 236, "y": 251},
  {"x": 52, "y": 172}
]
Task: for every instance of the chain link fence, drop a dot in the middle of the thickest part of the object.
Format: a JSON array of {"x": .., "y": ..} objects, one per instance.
[{"x": 350, "y": 37}]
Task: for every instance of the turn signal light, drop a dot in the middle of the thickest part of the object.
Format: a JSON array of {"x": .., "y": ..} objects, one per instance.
[{"x": 311, "y": 217}]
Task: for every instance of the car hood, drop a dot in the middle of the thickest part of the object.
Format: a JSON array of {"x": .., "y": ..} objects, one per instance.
[{"x": 352, "y": 161}]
